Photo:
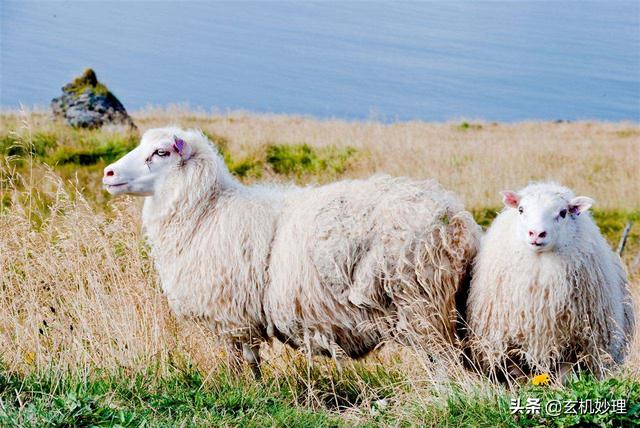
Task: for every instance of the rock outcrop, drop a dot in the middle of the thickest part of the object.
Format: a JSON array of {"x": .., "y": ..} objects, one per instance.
[{"x": 87, "y": 103}]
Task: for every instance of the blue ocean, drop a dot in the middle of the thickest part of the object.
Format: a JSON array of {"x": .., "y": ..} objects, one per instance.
[{"x": 389, "y": 61}]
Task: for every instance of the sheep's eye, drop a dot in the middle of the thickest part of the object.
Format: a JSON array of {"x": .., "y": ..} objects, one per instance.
[
  {"x": 161, "y": 153},
  {"x": 563, "y": 213},
  {"x": 520, "y": 210}
]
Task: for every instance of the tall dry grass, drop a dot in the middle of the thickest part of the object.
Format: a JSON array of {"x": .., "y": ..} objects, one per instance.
[
  {"x": 78, "y": 290},
  {"x": 476, "y": 160}
]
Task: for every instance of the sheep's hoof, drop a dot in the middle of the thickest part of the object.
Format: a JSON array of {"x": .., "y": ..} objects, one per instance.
[
  {"x": 255, "y": 369},
  {"x": 251, "y": 355}
]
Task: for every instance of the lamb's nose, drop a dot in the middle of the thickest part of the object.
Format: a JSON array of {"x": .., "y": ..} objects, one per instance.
[
  {"x": 109, "y": 173},
  {"x": 536, "y": 235}
]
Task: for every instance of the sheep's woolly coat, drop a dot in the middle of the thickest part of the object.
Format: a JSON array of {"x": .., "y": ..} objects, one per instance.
[
  {"x": 357, "y": 262},
  {"x": 336, "y": 269},
  {"x": 562, "y": 306}
]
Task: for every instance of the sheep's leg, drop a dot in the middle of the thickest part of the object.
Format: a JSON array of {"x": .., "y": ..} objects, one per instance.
[
  {"x": 251, "y": 354},
  {"x": 335, "y": 356},
  {"x": 239, "y": 352},
  {"x": 564, "y": 372}
]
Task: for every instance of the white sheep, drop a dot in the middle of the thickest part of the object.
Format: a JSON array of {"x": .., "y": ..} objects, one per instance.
[
  {"x": 335, "y": 269},
  {"x": 546, "y": 289}
]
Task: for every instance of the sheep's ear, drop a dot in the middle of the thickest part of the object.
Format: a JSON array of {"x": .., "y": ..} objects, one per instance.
[
  {"x": 580, "y": 204},
  {"x": 510, "y": 198},
  {"x": 181, "y": 147}
]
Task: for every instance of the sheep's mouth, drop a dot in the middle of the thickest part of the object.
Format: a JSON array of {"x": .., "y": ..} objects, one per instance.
[
  {"x": 115, "y": 185},
  {"x": 115, "y": 188},
  {"x": 539, "y": 246}
]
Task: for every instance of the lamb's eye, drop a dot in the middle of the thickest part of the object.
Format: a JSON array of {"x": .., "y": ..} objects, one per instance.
[
  {"x": 161, "y": 153},
  {"x": 520, "y": 210},
  {"x": 563, "y": 213}
]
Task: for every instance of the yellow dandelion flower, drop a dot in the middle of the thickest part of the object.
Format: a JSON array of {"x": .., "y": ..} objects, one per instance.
[{"x": 541, "y": 379}]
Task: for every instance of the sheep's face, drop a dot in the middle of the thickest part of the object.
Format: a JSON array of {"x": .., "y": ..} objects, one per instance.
[
  {"x": 545, "y": 219},
  {"x": 140, "y": 170}
]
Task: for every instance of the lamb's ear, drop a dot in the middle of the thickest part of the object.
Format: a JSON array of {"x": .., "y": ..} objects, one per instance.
[
  {"x": 181, "y": 147},
  {"x": 510, "y": 198},
  {"x": 580, "y": 204}
]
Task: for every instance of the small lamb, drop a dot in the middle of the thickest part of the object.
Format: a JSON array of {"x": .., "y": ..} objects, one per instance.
[{"x": 547, "y": 291}]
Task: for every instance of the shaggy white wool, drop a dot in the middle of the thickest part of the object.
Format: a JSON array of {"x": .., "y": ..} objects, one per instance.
[
  {"x": 357, "y": 262},
  {"x": 336, "y": 269},
  {"x": 564, "y": 305}
]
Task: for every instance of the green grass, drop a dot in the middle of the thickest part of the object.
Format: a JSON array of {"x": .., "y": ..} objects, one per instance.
[
  {"x": 184, "y": 397},
  {"x": 42, "y": 143},
  {"x": 301, "y": 396},
  {"x": 479, "y": 410},
  {"x": 585, "y": 388},
  {"x": 291, "y": 160},
  {"x": 187, "y": 396},
  {"x": 466, "y": 126},
  {"x": 49, "y": 148},
  {"x": 627, "y": 133},
  {"x": 301, "y": 159},
  {"x": 107, "y": 152},
  {"x": 462, "y": 409}
]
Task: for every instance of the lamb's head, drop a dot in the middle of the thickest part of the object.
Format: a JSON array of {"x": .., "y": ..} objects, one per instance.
[
  {"x": 547, "y": 214},
  {"x": 160, "y": 152}
]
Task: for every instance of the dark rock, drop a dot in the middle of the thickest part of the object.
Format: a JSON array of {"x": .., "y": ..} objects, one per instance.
[{"x": 87, "y": 103}]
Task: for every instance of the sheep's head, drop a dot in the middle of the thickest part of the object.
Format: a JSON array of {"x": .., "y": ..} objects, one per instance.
[
  {"x": 547, "y": 214},
  {"x": 140, "y": 170}
]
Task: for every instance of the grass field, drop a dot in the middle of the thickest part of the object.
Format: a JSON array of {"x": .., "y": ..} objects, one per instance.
[{"x": 86, "y": 337}]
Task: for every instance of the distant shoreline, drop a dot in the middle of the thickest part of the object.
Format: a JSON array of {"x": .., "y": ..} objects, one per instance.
[{"x": 179, "y": 110}]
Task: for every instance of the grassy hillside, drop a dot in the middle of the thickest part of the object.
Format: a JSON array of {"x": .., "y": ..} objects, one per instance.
[{"x": 86, "y": 336}]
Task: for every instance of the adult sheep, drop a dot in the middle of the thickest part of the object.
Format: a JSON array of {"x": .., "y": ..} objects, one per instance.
[
  {"x": 546, "y": 290},
  {"x": 335, "y": 269}
]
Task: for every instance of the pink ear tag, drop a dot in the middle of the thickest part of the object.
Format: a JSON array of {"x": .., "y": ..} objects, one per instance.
[{"x": 178, "y": 145}]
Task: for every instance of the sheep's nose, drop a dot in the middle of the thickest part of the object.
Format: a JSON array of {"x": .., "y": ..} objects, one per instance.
[
  {"x": 109, "y": 172},
  {"x": 536, "y": 235}
]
